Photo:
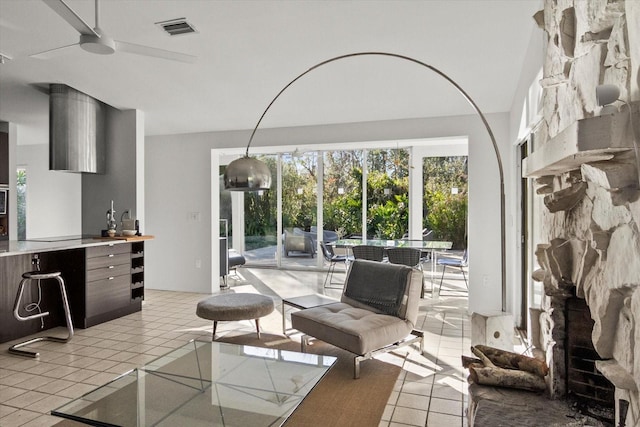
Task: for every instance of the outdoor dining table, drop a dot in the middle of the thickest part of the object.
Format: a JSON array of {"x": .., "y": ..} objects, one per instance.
[{"x": 433, "y": 246}]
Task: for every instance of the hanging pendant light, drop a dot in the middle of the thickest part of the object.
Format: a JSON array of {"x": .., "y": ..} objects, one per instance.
[{"x": 247, "y": 174}]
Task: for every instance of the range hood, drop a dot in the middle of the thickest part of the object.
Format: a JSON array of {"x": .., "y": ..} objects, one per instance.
[{"x": 76, "y": 131}]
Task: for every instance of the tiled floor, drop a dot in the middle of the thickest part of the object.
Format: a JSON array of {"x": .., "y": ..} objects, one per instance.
[{"x": 430, "y": 391}]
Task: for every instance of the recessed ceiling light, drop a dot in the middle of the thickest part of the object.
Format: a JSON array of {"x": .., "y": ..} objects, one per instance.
[{"x": 176, "y": 27}]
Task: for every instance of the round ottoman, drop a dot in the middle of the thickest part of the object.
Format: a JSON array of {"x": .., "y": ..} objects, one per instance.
[{"x": 240, "y": 306}]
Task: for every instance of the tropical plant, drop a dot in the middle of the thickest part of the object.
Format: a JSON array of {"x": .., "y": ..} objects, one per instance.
[{"x": 387, "y": 195}]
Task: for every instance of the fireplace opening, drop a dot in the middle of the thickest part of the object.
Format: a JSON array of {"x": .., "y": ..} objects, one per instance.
[{"x": 589, "y": 391}]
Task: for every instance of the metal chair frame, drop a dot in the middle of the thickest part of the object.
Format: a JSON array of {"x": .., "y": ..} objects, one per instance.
[
  {"x": 454, "y": 262},
  {"x": 329, "y": 255}
]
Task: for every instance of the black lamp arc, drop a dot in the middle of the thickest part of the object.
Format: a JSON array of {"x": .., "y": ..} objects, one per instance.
[{"x": 250, "y": 174}]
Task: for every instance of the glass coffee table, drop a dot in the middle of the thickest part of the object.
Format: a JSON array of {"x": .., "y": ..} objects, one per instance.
[{"x": 204, "y": 384}]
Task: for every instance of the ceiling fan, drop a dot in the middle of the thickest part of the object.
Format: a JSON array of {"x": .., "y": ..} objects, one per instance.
[{"x": 95, "y": 40}]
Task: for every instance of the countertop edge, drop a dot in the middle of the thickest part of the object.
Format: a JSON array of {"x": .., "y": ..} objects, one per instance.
[{"x": 23, "y": 247}]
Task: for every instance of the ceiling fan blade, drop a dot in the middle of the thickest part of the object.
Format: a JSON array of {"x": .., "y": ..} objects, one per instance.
[
  {"x": 152, "y": 51},
  {"x": 72, "y": 18},
  {"x": 47, "y": 54}
]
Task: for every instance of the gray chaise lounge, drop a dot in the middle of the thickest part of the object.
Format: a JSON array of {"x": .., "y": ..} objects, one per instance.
[{"x": 376, "y": 313}]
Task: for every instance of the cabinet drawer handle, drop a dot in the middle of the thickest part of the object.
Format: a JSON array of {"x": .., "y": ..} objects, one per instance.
[
  {"x": 110, "y": 278},
  {"x": 111, "y": 266},
  {"x": 110, "y": 255}
]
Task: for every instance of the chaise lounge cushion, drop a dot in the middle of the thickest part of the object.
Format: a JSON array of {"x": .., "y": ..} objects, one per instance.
[
  {"x": 236, "y": 259},
  {"x": 354, "y": 329}
]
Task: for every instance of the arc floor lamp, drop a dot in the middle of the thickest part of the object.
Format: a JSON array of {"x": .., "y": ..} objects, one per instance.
[{"x": 250, "y": 174}]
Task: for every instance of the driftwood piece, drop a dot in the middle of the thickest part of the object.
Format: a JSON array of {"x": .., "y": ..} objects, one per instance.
[
  {"x": 483, "y": 357},
  {"x": 468, "y": 361},
  {"x": 509, "y": 360},
  {"x": 501, "y": 377},
  {"x": 495, "y": 367}
]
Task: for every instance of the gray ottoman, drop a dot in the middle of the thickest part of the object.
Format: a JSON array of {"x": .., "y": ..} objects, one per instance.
[{"x": 240, "y": 306}]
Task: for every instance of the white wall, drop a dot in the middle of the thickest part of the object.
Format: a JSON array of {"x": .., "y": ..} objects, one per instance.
[
  {"x": 71, "y": 204},
  {"x": 178, "y": 180},
  {"x": 523, "y": 116},
  {"x": 53, "y": 197}
]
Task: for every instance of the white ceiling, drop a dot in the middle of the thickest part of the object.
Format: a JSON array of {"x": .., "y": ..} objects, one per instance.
[{"x": 248, "y": 50}]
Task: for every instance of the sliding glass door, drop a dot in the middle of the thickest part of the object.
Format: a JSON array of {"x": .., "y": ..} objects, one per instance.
[
  {"x": 299, "y": 209},
  {"x": 345, "y": 193},
  {"x": 387, "y": 193}
]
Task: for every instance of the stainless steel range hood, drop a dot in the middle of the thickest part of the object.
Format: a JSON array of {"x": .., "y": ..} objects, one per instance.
[{"x": 76, "y": 131}]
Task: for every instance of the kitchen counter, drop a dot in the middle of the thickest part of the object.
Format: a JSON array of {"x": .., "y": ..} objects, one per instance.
[
  {"x": 31, "y": 246},
  {"x": 104, "y": 279}
]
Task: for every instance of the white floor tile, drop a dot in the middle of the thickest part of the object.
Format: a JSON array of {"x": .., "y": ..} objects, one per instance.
[{"x": 429, "y": 391}]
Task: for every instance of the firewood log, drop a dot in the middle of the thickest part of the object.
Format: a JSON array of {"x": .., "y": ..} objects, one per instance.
[
  {"x": 509, "y": 360},
  {"x": 494, "y": 376},
  {"x": 466, "y": 361}
]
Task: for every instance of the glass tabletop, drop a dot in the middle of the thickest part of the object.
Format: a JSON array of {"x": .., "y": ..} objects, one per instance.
[
  {"x": 205, "y": 383},
  {"x": 402, "y": 243}
]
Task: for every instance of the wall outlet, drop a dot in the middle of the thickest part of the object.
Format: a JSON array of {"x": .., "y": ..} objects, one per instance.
[
  {"x": 198, "y": 263},
  {"x": 194, "y": 216}
]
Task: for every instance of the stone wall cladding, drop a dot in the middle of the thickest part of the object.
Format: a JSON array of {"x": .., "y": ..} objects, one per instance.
[{"x": 594, "y": 238}]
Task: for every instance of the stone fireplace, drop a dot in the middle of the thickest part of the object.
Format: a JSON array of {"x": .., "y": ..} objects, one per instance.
[{"x": 585, "y": 166}]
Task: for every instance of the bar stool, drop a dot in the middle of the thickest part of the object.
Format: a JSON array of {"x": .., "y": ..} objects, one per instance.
[{"x": 40, "y": 275}]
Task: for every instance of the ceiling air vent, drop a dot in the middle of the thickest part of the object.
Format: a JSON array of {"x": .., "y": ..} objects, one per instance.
[{"x": 175, "y": 27}]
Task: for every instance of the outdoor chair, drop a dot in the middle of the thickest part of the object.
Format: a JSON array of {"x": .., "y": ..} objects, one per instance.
[
  {"x": 454, "y": 262},
  {"x": 368, "y": 252},
  {"x": 377, "y": 312},
  {"x": 410, "y": 257},
  {"x": 427, "y": 236},
  {"x": 329, "y": 255},
  {"x": 302, "y": 243}
]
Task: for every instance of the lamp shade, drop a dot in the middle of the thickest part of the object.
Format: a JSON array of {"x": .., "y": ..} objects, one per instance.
[{"x": 247, "y": 174}]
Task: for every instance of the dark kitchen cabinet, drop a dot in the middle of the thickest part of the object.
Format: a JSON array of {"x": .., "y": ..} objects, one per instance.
[
  {"x": 4, "y": 213},
  {"x": 103, "y": 283},
  {"x": 137, "y": 272},
  {"x": 4, "y": 186},
  {"x": 108, "y": 285},
  {"x": 4, "y": 158}
]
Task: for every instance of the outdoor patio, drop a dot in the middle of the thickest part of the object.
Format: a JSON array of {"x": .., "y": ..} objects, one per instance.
[{"x": 266, "y": 257}]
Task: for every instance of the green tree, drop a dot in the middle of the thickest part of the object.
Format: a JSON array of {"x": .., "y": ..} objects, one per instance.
[
  {"x": 443, "y": 212},
  {"x": 387, "y": 195}
]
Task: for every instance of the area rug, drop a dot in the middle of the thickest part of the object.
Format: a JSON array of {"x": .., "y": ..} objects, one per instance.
[{"x": 337, "y": 400}]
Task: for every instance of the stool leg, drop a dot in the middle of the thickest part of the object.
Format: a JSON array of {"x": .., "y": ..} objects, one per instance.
[
  {"x": 67, "y": 311},
  {"x": 215, "y": 326},
  {"x": 258, "y": 327},
  {"x": 15, "y": 349}
]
